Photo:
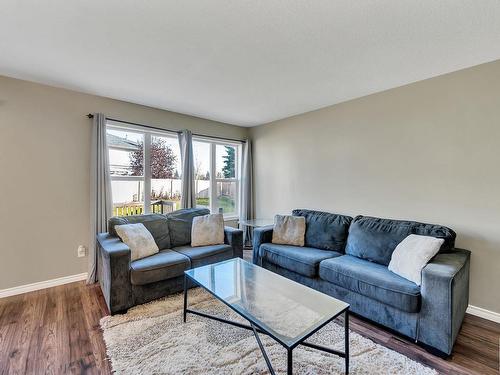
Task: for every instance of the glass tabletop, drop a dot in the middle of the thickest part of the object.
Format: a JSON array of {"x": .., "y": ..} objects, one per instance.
[
  {"x": 257, "y": 222},
  {"x": 285, "y": 309}
]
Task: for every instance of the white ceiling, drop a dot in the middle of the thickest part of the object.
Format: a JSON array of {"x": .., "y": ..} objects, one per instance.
[{"x": 243, "y": 62}]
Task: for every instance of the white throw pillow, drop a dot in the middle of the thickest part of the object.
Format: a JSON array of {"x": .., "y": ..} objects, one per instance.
[
  {"x": 289, "y": 230},
  {"x": 207, "y": 230},
  {"x": 412, "y": 254},
  {"x": 138, "y": 238}
]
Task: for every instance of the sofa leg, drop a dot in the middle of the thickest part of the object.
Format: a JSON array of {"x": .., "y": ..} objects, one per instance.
[{"x": 120, "y": 312}]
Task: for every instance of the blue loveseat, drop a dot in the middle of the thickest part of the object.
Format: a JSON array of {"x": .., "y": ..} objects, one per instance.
[
  {"x": 126, "y": 283},
  {"x": 347, "y": 258}
]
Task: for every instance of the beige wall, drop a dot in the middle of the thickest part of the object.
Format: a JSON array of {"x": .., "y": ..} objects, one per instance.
[
  {"x": 44, "y": 164},
  {"x": 429, "y": 151}
]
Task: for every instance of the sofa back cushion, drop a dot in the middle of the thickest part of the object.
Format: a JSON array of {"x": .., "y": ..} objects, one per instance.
[
  {"x": 180, "y": 223},
  {"x": 156, "y": 224},
  {"x": 324, "y": 230},
  {"x": 375, "y": 239}
]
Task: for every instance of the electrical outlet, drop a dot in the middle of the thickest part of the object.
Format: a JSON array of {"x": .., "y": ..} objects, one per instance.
[{"x": 82, "y": 251}]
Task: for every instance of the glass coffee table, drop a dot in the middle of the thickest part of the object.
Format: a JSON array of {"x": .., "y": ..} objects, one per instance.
[{"x": 283, "y": 309}]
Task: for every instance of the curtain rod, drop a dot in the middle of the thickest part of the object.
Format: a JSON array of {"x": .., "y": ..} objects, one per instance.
[{"x": 90, "y": 115}]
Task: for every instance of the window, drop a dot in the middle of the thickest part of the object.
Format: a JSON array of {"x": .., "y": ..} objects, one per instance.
[
  {"x": 145, "y": 168},
  {"x": 136, "y": 189},
  {"x": 217, "y": 175}
]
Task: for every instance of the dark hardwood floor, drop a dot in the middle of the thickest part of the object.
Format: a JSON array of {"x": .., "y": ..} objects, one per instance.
[
  {"x": 56, "y": 331},
  {"x": 53, "y": 331}
]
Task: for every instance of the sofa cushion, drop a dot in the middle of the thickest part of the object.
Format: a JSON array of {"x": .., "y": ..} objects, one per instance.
[
  {"x": 289, "y": 230},
  {"x": 156, "y": 224},
  {"x": 207, "y": 230},
  {"x": 371, "y": 280},
  {"x": 325, "y": 230},
  {"x": 375, "y": 239},
  {"x": 302, "y": 260},
  {"x": 180, "y": 223},
  {"x": 166, "y": 264},
  {"x": 138, "y": 239},
  {"x": 412, "y": 255},
  {"x": 203, "y": 255}
]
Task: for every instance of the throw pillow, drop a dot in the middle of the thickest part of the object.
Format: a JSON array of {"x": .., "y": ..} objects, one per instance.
[
  {"x": 138, "y": 239},
  {"x": 412, "y": 255},
  {"x": 289, "y": 230},
  {"x": 207, "y": 230}
]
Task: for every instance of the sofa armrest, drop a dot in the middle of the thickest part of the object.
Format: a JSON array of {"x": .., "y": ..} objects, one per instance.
[
  {"x": 445, "y": 297},
  {"x": 112, "y": 247},
  {"x": 261, "y": 235},
  {"x": 234, "y": 237},
  {"x": 114, "y": 272}
]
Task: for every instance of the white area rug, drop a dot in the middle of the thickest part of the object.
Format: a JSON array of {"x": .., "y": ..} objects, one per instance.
[{"x": 152, "y": 339}]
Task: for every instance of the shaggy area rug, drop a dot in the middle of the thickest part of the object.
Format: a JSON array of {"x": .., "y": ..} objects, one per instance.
[{"x": 152, "y": 339}]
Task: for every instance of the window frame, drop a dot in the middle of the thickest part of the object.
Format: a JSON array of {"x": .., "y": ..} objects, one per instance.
[
  {"x": 146, "y": 167},
  {"x": 214, "y": 142}
]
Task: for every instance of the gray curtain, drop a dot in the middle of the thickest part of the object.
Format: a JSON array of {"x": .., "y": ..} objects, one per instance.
[
  {"x": 187, "y": 161},
  {"x": 247, "y": 204},
  {"x": 101, "y": 207}
]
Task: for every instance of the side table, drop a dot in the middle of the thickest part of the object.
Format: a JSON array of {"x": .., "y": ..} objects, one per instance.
[{"x": 252, "y": 224}]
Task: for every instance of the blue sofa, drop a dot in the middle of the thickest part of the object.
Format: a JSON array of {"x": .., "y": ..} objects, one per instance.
[
  {"x": 347, "y": 258},
  {"x": 127, "y": 283}
]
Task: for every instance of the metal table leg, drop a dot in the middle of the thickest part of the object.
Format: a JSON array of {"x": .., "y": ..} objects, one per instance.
[
  {"x": 289, "y": 366},
  {"x": 266, "y": 358},
  {"x": 185, "y": 297},
  {"x": 346, "y": 342}
]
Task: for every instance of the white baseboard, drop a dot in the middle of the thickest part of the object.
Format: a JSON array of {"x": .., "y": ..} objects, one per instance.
[
  {"x": 483, "y": 313},
  {"x": 42, "y": 285}
]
